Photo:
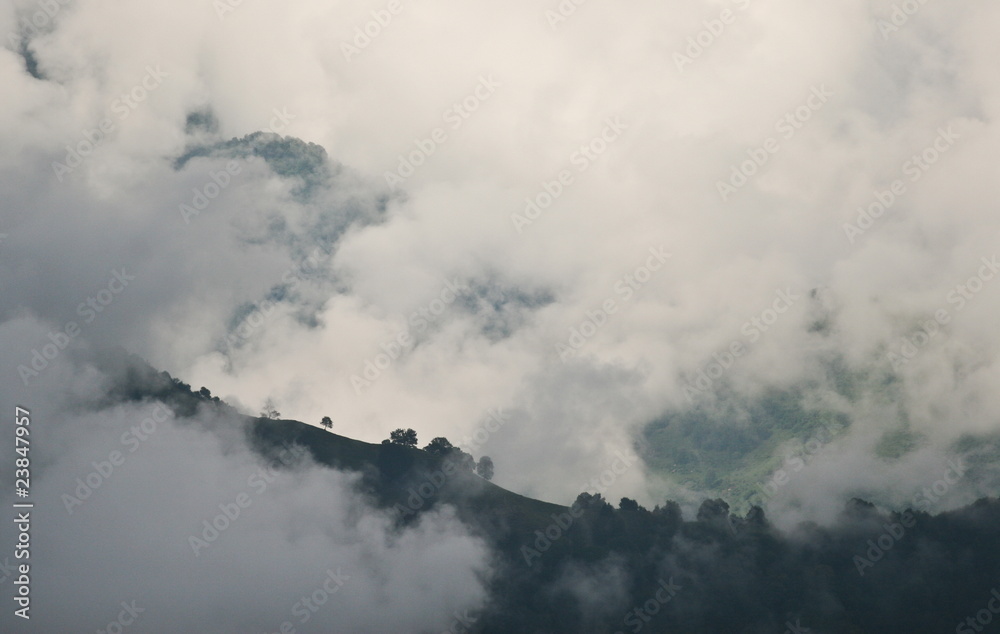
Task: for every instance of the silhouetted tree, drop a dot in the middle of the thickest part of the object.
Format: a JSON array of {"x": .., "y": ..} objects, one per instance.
[
  {"x": 628, "y": 504},
  {"x": 485, "y": 468},
  {"x": 404, "y": 437},
  {"x": 439, "y": 446},
  {"x": 327, "y": 422}
]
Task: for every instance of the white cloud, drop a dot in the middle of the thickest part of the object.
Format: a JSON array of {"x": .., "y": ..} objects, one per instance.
[{"x": 656, "y": 185}]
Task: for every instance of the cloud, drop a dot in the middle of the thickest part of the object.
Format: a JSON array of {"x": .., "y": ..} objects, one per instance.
[
  {"x": 393, "y": 251},
  {"x": 180, "y": 520}
]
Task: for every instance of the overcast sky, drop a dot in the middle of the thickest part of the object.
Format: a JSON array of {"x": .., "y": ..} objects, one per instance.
[{"x": 567, "y": 216}]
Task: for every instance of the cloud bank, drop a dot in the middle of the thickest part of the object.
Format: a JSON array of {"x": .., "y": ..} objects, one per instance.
[
  {"x": 494, "y": 186},
  {"x": 161, "y": 523}
]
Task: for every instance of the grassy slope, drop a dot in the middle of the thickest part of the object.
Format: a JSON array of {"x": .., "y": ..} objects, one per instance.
[
  {"x": 733, "y": 451},
  {"x": 391, "y": 474}
]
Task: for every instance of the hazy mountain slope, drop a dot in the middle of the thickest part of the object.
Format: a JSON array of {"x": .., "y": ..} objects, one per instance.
[{"x": 595, "y": 568}]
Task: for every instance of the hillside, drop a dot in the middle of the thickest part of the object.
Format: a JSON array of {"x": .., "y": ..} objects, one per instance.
[
  {"x": 390, "y": 473},
  {"x": 592, "y": 567}
]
